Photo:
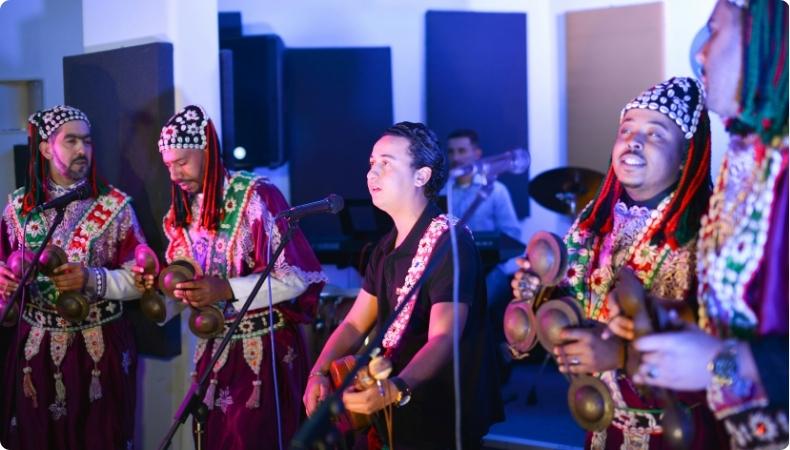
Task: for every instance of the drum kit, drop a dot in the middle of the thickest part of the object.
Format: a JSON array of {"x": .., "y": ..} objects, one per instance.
[{"x": 565, "y": 190}]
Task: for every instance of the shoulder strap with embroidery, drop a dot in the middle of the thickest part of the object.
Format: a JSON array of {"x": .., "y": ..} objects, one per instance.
[
  {"x": 238, "y": 190},
  {"x": 94, "y": 223},
  {"x": 90, "y": 227},
  {"x": 425, "y": 248}
]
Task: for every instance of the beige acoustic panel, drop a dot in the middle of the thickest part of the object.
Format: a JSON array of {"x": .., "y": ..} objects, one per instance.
[{"x": 612, "y": 55}]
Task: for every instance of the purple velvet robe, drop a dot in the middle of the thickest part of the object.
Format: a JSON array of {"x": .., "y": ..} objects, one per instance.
[
  {"x": 233, "y": 422},
  {"x": 84, "y": 424}
]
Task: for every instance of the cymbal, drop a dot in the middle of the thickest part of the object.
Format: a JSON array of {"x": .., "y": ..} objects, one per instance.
[{"x": 565, "y": 190}]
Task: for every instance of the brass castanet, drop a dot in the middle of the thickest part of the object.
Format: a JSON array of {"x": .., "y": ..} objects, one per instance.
[
  {"x": 547, "y": 257},
  {"x": 206, "y": 322},
  {"x": 71, "y": 305},
  {"x": 590, "y": 403},
  {"x": 151, "y": 303},
  {"x": 650, "y": 316},
  {"x": 17, "y": 262}
]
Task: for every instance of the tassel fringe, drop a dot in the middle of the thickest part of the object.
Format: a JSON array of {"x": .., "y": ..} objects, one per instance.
[
  {"x": 60, "y": 388},
  {"x": 27, "y": 386},
  {"x": 210, "y": 391},
  {"x": 94, "y": 393},
  {"x": 255, "y": 398}
]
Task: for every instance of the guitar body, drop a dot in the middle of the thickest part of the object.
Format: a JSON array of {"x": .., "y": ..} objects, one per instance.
[{"x": 338, "y": 371}]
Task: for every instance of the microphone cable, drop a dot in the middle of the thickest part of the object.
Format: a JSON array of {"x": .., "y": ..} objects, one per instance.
[
  {"x": 270, "y": 231},
  {"x": 456, "y": 333}
]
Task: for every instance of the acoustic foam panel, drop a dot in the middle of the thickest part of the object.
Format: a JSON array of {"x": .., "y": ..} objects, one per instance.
[
  {"x": 128, "y": 95},
  {"x": 476, "y": 77},
  {"x": 338, "y": 101}
]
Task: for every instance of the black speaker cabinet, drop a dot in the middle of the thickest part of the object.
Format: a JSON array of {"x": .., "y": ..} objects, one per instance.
[
  {"x": 255, "y": 101},
  {"x": 128, "y": 94}
]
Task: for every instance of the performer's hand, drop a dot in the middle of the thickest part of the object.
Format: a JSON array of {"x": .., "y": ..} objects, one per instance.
[
  {"x": 587, "y": 351},
  {"x": 8, "y": 282},
  {"x": 619, "y": 324},
  {"x": 70, "y": 277},
  {"x": 677, "y": 360},
  {"x": 370, "y": 400},
  {"x": 318, "y": 388},
  {"x": 203, "y": 292},
  {"x": 525, "y": 284},
  {"x": 142, "y": 281}
]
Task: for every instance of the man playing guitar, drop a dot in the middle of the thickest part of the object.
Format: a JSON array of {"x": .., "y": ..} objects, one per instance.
[{"x": 407, "y": 169}]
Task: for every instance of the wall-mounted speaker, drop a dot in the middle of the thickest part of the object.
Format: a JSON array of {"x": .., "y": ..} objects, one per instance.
[{"x": 252, "y": 78}]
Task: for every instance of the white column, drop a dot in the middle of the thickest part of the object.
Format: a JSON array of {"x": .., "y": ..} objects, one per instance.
[{"x": 191, "y": 26}]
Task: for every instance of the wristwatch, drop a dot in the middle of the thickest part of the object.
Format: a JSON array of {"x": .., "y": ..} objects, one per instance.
[
  {"x": 724, "y": 368},
  {"x": 404, "y": 391}
]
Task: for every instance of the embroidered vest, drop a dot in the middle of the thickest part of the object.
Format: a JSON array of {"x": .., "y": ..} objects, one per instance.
[
  {"x": 254, "y": 326},
  {"x": 90, "y": 227},
  {"x": 238, "y": 190},
  {"x": 591, "y": 270},
  {"x": 731, "y": 250},
  {"x": 94, "y": 222}
]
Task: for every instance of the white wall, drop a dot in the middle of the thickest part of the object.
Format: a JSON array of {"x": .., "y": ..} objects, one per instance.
[
  {"x": 400, "y": 25},
  {"x": 27, "y": 52},
  {"x": 35, "y": 35}
]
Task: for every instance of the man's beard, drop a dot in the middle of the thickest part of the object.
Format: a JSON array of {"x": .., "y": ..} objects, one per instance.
[{"x": 78, "y": 172}]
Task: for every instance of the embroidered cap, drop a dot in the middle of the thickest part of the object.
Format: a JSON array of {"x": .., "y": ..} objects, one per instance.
[
  {"x": 186, "y": 129},
  {"x": 679, "y": 98},
  {"x": 48, "y": 120}
]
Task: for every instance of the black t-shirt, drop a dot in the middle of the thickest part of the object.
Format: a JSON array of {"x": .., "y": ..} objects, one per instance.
[{"x": 427, "y": 420}]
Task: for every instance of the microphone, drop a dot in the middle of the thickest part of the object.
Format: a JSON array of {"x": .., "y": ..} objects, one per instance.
[
  {"x": 81, "y": 192},
  {"x": 331, "y": 204},
  {"x": 515, "y": 161}
]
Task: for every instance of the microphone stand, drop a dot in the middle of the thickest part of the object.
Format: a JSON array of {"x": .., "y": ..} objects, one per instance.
[
  {"x": 192, "y": 403},
  {"x": 60, "y": 213},
  {"x": 318, "y": 431}
]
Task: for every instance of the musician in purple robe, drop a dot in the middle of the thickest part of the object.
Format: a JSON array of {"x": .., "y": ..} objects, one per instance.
[
  {"x": 224, "y": 222},
  {"x": 70, "y": 384},
  {"x": 739, "y": 352}
]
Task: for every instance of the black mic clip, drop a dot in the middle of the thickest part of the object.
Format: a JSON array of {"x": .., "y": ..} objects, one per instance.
[
  {"x": 81, "y": 192},
  {"x": 331, "y": 204}
]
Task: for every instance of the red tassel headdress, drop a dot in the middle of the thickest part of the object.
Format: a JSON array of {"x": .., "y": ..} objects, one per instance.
[
  {"x": 682, "y": 100},
  {"x": 190, "y": 128}
]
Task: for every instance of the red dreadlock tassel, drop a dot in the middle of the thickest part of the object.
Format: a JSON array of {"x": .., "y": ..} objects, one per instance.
[
  {"x": 213, "y": 180},
  {"x": 35, "y": 172},
  {"x": 687, "y": 190},
  {"x": 608, "y": 192}
]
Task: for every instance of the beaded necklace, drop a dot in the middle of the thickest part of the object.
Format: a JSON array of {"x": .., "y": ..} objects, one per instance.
[
  {"x": 644, "y": 258},
  {"x": 730, "y": 252}
]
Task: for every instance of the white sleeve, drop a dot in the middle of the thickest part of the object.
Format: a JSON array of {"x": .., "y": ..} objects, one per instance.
[
  {"x": 118, "y": 285},
  {"x": 283, "y": 289}
]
